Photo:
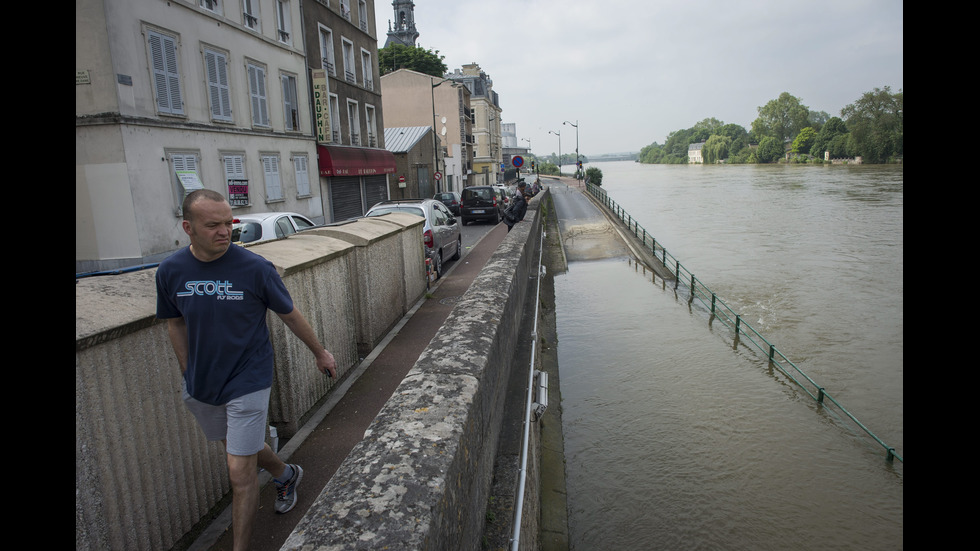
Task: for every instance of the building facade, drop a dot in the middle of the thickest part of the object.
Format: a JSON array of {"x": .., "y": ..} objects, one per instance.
[
  {"x": 487, "y": 137},
  {"x": 177, "y": 95},
  {"x": 416, "y": 153},
  {"x": 411, "y": 98},
  {"x": 342, "y": 58}
]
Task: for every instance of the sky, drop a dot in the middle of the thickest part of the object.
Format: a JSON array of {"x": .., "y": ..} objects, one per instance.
[{"x": 630, "y": 72}]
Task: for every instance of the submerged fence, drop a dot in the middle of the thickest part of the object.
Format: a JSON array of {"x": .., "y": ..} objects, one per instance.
[{"x": 721, "y": 311}]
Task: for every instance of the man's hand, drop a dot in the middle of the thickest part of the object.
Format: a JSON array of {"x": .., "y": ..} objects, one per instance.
[{"x": 326, "y": 363}]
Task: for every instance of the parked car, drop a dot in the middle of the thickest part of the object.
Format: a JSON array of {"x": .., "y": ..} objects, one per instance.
[
  {"x": 440, "y": 233},
  {"x": 451, "y": 199},
  {"x": 266, "y": 226},
  {"x": 482, "y": 203}
]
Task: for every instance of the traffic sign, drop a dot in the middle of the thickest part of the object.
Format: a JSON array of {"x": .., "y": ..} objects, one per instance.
[
  {"x": 437, "y": 175},
  {"x": 518, "y": 161}
]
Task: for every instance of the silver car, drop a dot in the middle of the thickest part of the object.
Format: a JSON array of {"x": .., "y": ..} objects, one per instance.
[{"x": 440, "y": 233}]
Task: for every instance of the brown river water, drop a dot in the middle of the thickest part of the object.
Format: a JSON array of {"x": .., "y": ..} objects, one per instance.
[{"x": 676, "y": 439}]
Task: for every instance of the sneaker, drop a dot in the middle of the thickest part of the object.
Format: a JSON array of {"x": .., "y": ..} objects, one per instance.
[{"x": 286, "y": 493}]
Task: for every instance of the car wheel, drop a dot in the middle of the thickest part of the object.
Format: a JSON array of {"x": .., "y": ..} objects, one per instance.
[
  {"x": 459, "y": 248},
  {"x": 463, "y": 220},
  {"x": 496, "y": 217}
]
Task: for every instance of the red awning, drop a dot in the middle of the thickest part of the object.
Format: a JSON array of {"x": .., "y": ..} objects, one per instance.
[{"x": 354, "y": 161}]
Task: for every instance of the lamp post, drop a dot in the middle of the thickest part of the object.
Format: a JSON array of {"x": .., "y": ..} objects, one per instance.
[
  {"x": 578, "y": 176},
  {"x": 435, "y": 156},
  {"x": 559, "y": 149}
]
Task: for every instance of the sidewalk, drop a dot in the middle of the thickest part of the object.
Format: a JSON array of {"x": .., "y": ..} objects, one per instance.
[{"x": 326, "y": 439}]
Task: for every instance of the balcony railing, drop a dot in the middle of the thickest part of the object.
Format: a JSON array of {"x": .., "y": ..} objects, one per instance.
[
  {"x": 350, "y": 77},
  {"x": 329, "y": 67}
]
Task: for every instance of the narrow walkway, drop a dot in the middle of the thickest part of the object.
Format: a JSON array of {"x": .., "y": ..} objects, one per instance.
[{"x": 326, "y": 439}]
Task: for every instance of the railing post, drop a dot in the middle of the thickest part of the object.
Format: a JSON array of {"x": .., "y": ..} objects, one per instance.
[
  {"x": 714, "y": 297},
  {"x": 772, "y": 353},
  {"x": 738, "y": 322},
  {"x": 820, "y": 395}
]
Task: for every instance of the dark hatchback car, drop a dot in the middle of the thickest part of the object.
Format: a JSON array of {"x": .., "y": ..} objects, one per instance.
[
  {"x": 481, "y": 203},
  {"x": 451, "y": 199}
]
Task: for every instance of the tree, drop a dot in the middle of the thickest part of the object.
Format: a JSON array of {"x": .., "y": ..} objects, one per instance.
[
  {"x": 716, "y": 148},
  {"x": 594, "y": 175},
  {"x": 875, "y": 121},
  {"x": 781, "y": 118},
  {"x": 803, "y": 141},
  {"x": 399, "y": 56},
  {"x": 833, "y": 129},
  {"x": 770, "y": 150}
]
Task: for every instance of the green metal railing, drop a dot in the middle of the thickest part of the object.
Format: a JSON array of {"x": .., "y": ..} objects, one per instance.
[{"x": 721, "y": 311}]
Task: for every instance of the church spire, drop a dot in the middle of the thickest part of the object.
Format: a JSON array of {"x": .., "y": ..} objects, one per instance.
[{"x": 403, "y": 31}]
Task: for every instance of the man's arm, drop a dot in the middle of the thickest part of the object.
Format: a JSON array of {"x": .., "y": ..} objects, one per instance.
[
  {"x": 296, "y": 323},
  {"x": 177, "y": 329}
]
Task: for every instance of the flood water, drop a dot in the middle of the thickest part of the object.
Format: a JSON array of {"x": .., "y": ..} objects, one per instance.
[{"x": 675, "y": 439}]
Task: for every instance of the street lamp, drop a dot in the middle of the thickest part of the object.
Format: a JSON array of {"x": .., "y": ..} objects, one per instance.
[
  {"x": 559, "y": 149},
  {"x": 435, "y": 157},
  {"x": 579, "y": 176}
]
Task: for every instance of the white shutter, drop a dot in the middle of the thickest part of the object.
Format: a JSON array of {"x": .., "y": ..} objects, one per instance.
[
  {"x": 301, "y": 164},
  {"x": 166, "y": 74},
  {"x": 273, "y": 185},
  {"x": 256, "y": 83},
  {"x": 289, "y": 102},
  {"x": 216, "y": 65}
]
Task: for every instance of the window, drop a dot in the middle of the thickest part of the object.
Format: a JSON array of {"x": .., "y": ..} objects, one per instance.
[
  {"x": 235, "y": 179},
  {"x": 219, "y": 93},
  {"x": 283, "y": 23},
  {"x": 350, "y": 72},
  {"x": 211, "y": 5},
  {"x": 345, "y": 9},
  {"x": 289, "y": 102},
  {"x": 257, "y": 95},
  {"x": 326, "y": 51},
  {"x": 367, "y": 72},
  {"x": 362, "y": 17},
  {"x": 372, "y": 127},
  {"x": 301, "y": 165},
  {"x": 334, "y": 118},
  {"x": 355, "y": 123},
  {"x": 250, "y": 15},
  {"x": 273, "y": 184},
  {"x": 166, "y": 73},
  {"x": 186, "y": 178}
]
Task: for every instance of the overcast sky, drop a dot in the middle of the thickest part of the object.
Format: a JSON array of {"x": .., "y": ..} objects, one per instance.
[{"x": 633, "y": 71}]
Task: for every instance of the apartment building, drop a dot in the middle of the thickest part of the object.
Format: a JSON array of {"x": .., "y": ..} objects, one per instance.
[
  {"x": 342, "y": 57},
  {"x": 487, "y": 136},
  {"x": 412, "y": 98},
  {"x": 177, "y": 95}
]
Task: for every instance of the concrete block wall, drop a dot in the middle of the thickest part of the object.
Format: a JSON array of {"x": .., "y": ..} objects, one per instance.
[
  {"x": 421, "y": 476},
  {"x": 144, "y": 474}
]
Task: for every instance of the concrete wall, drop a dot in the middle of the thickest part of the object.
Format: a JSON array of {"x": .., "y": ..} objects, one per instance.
[
  {"x": 421, "y": 476},
  {"x": 144, "y": 474}
]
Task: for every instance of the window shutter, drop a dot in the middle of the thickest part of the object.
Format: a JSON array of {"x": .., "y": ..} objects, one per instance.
[
  {"x": 166, "y": 76},
  {"x": 301, "y": 163},
  {"x": 217, "y": 69},
  {"x": 260, "y": 109},
  {"x": 273, "y": 186}
]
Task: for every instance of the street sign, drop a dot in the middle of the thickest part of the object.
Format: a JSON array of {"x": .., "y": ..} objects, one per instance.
[
  {"x": 437, "y": 175},
  {"x": 518, "y": 161}
]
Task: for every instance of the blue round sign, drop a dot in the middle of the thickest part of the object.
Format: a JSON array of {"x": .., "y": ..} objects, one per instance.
[{"x": 518, "y": 161}]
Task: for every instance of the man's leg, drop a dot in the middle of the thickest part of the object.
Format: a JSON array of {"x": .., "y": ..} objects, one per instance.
[{"x": 243, "y": 472}]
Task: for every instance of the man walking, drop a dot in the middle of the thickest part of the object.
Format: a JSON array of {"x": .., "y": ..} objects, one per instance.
[{"x": 214, "y": 296}]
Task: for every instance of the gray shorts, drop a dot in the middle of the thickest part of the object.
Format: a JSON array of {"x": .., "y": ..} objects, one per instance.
[{"x": 240, "y": 422}]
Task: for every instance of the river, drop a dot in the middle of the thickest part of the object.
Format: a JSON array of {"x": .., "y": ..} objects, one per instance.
[{"x": 675, "y": 439}]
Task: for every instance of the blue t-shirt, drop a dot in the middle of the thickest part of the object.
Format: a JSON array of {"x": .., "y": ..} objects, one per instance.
[{"x": 223, "y": 303}]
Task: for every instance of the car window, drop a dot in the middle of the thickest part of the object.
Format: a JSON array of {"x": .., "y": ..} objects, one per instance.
[
  {"x": 246, "y": 232},
  {"x": 284, "y": 227},
  {"x": 481, "y": 192},
  {"x": 440, "y": 214},
  {"x": 302, "y": 223}
]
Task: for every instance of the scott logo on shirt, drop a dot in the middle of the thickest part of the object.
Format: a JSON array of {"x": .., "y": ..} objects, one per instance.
[{"x": 219, "y": 289}]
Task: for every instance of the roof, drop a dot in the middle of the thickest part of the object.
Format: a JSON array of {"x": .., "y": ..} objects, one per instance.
[{"x": 402, "y": 139}]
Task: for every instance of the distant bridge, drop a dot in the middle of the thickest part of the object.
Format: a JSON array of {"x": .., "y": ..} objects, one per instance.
[{"x": 613, "y": 157}]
